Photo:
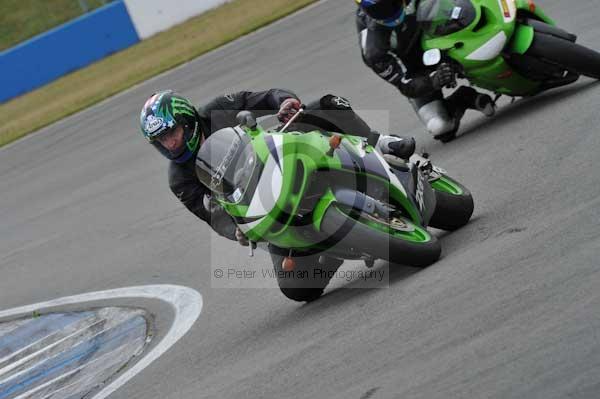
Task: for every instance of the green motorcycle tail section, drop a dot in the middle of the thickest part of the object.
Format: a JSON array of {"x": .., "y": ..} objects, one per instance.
[
  {"x": 522, "y": 39},
  {"x": 523, "y": 36},
  {"x": 476, "y": 47},
  {"x": 530, "y": 8}
]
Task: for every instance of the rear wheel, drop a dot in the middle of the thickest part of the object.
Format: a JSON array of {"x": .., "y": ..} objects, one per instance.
[
  {"x": 571, "y": 56},
  {"x": 454, "y": 204},
  {"x": 397, "y": 240}
]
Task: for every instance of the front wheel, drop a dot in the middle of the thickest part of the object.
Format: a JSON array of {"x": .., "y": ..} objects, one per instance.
[
  {"x": 454, "y": 204},
  {"x": 571, "y": 56},
  {"x": 309, "y": 278},
  {"x": 397, "y": 240}
]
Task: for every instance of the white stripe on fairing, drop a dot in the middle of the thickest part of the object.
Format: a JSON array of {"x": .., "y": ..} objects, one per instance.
[
  {"x": 269, "y": 186},
  {"x": 186, "y": 302},
  {"x": 277, "y": 181},
  {"x": 489, "y": 50},
  {"x": 246, "y": 227},
  {"x": 393, "y": 179},
  {"x": 278, "y": 140},
  {"x": 263, "y": 199}
]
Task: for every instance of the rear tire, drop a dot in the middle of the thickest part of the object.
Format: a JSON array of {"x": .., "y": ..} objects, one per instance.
[
  {"x": 452, "y": 211},
  {"x": 367, "y": 234},
  {"x": 571, "y": 56}
]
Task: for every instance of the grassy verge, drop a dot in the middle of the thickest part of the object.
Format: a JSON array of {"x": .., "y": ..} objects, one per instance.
[
  {"x": 23, "y": 19},
  {"x": 122, "y": 70}
]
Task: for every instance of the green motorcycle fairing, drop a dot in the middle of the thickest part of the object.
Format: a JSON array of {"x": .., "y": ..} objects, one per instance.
[
  {"x": 278, "y": 186},
  {"x": 476, "y": 32}
]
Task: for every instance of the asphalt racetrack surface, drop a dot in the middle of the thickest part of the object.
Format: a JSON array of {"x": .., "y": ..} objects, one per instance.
[{"x": 511, "y": 310}]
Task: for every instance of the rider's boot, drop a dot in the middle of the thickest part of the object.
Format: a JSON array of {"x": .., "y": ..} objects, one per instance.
[
  {"x": 485, "y": 104},
  {"x": 466, "y": 97},
  {"x": 401, "y": 147}
]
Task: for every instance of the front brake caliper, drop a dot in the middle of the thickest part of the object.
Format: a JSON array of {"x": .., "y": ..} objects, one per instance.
[{"x": 429, "y": 170}]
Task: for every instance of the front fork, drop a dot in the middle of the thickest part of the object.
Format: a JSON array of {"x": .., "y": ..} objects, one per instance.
[{"x": 426, "y": 173}]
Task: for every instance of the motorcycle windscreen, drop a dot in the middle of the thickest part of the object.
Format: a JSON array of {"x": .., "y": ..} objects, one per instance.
[
  {"x": 444, "y": 17},
  {"x": 226, "y": 163}
]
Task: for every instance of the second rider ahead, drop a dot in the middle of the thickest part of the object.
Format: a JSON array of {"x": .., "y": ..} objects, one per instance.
[{"x": 389, "y": 38}]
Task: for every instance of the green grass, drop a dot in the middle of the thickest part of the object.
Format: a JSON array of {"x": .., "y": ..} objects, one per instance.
[
  {"x": 23, "y": 19},
  {"x": 85, "y": 87}
]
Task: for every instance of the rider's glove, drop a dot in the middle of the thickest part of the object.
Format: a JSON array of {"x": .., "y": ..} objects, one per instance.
[
  {"x": 241, "y": 238},
  {"x": 288, "y": 109},
  {"x": 443, "y": 76}
]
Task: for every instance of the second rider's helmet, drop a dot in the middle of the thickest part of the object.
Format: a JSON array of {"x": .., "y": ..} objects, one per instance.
[
  {"x": 162, "y": 113},
  {"x": 390, "y": 13}
]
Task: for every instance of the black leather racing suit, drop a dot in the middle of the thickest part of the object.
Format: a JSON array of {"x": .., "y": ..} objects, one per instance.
[{"x": 395, "y": 55}]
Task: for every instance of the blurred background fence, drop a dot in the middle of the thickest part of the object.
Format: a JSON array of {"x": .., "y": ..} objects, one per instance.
[{"x": 42, "y": 40}]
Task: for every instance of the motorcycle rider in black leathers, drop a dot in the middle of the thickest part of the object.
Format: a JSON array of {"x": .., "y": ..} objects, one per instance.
[
  {"x": 389, "y": 38},
  {"x": 177, "y": 130}
]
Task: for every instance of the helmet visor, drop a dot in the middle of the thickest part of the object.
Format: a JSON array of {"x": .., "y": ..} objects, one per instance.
[{"x": 174, "y": 143}]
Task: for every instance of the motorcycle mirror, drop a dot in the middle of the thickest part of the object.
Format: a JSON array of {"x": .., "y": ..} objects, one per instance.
[
  {"x": 432, "y": 57},
  {"x": 246, "y": 118}
]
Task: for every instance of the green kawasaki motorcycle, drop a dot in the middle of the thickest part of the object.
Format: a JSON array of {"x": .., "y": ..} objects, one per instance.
[
  {"x": 509, "y": 47},
  {"x": 332, "y": 193}
]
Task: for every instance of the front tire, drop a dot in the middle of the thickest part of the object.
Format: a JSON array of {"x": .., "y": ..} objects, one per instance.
[
  {"x": 454, "y": 204},
  {"x": 303, "y": 284},
  {"x": 398, "y": 241},
  {"x": 571, "y": 56}
]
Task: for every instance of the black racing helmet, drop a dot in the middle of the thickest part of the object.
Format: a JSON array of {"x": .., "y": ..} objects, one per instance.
[
  {"x": 165, "y": 111},
  {"x": 390, "y": 13}
]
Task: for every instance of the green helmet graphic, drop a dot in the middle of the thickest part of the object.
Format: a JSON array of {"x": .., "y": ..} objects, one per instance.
[{"x": 162, "y": 113}]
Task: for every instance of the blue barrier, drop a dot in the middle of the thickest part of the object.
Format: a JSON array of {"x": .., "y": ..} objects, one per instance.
[{"x": 64, "y": 49}]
